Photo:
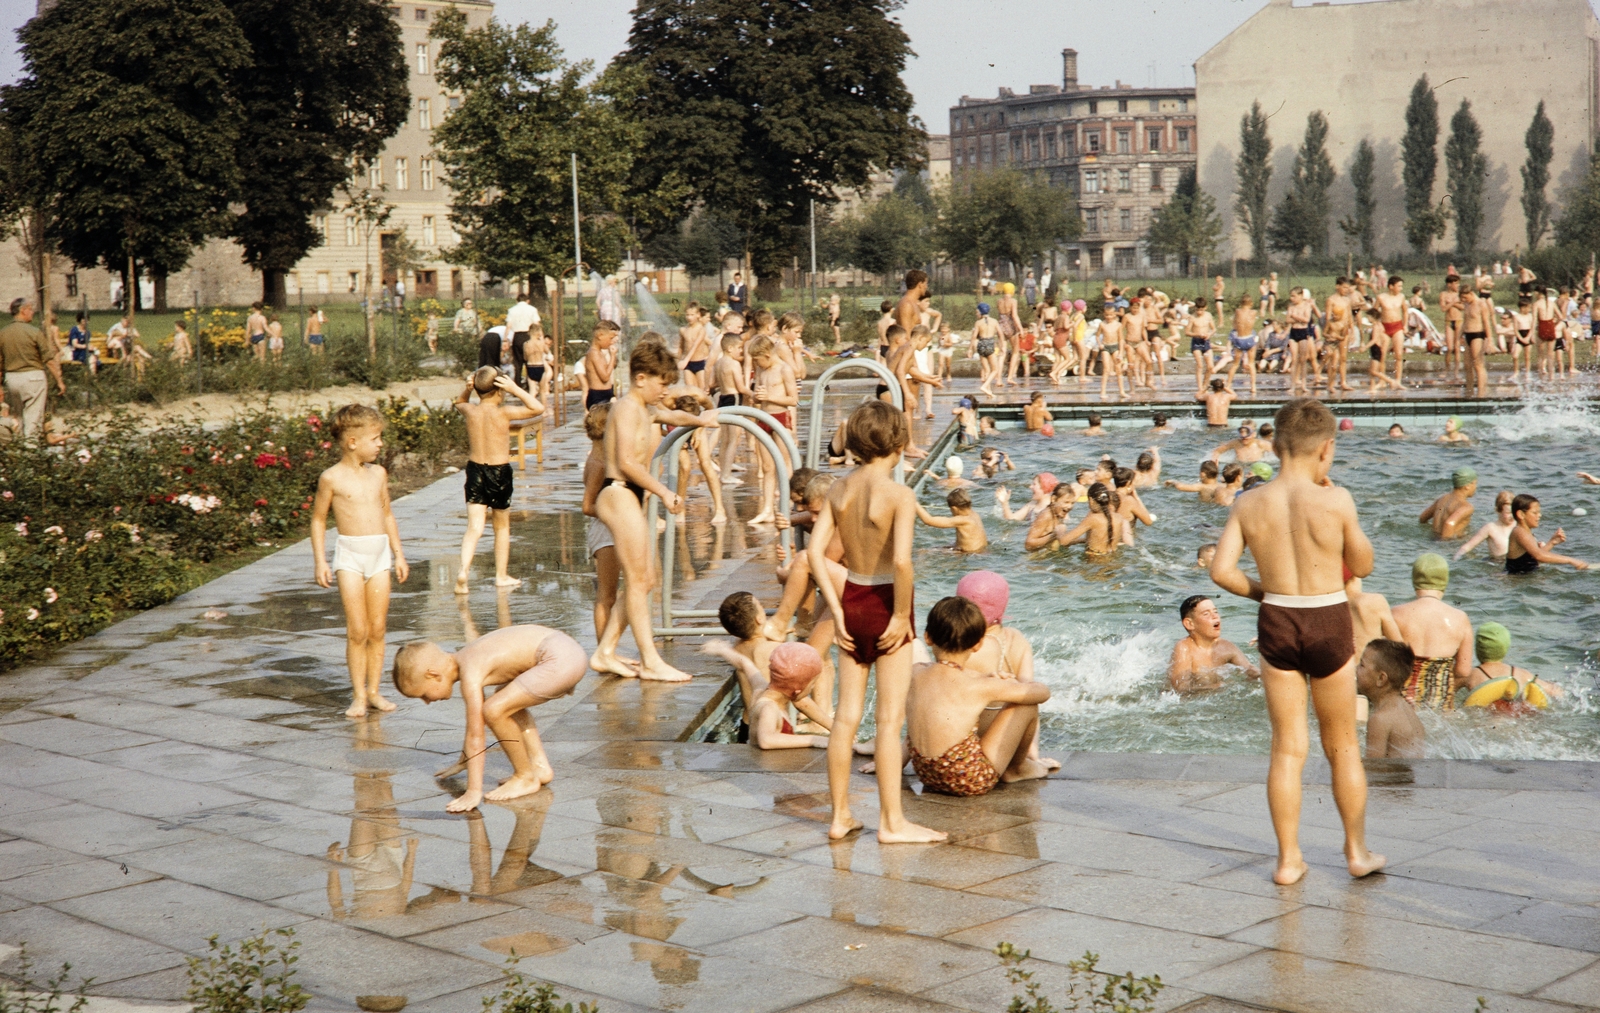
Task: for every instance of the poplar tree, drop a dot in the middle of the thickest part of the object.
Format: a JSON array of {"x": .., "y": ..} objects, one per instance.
[
  {"x": 1187, "y": 226},
  {"x": 1467, "y": 176},
  {"x": 1300, "y": 222},
  {"x": 1419, "y": 165},
  {"x": 1358, "y": 225},
  {"x": 1540, "y": 142},
  {"x": 1254, "y": 171}
]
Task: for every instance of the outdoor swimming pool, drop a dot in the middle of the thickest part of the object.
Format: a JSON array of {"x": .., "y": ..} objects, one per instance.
[{"x": 1102, "y": 632}]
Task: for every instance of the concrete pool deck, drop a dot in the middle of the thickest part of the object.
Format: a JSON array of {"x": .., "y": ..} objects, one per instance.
[{"x": 179, "y": 775}]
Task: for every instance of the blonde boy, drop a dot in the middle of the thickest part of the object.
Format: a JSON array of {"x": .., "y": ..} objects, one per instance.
[
  {"x": 777, "y": 394},
  {"x": 368, "y": 547},
  {"x": 631, "y": 438},
  {"x": 1303, "y": 533},
  {"x": 876, "y": 519},
  {"x": 489, "y": 479},
  {"x": 727, "y": 377},
  {"x": 528, "y": 665},
  {"x": 692, "y": 342},
  {"x": 600, "y": 364}
]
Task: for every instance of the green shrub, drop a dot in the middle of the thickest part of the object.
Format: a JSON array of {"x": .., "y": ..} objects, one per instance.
[
  {"x": 255, "y": 978},
  {"x": 523, "y": 996},
  {"x": 1100, "y": 992},
  {"x": 29, "y": 996}
]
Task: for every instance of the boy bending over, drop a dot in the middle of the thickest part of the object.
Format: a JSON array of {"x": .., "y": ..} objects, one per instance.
[
  {"x": 489, "y": 479},
  {"x": 357, "y": 490},
  {"x": 946, "y": 702},
  {"x": 530, "y": 665},
  {"x": 1303, "y": 532}
]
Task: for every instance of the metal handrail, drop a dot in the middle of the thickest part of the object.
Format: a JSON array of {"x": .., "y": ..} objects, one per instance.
[
  {"x": 919, "y": 475},
  {"x": 761, "y": 416},
  {"x": 747, "y": 419},
  {"x": 819, "y": 391}
]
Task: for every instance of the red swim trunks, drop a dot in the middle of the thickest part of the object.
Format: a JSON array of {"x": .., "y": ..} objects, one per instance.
[
  {"x": 1393, "y": 327},
  {"x": 1547, "y": 330},
  {"x": 1313, "y": 635},
  {"x": 867, "y": 611},
  {"x": 781, "y": 418}
]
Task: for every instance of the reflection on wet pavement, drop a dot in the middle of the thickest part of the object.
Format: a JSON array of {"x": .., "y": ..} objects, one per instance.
[{"x": 177, "y": 777}]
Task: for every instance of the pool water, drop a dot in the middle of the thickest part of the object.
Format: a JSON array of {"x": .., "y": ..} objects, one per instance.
[{"x": 1102, "y": 632}]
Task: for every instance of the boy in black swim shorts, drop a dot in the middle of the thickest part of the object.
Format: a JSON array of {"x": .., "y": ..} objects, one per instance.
[{"x": 489, "y": 479}]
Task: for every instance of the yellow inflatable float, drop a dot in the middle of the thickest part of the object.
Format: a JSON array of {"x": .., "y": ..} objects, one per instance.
[{"x": 1495, "y": 690}]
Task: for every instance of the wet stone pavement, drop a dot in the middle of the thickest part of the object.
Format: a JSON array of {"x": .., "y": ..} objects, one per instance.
[{"x": 178, "y": 776}]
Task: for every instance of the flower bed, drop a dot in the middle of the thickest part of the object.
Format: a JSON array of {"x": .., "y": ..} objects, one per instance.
[{"x": 125, "y": 521}]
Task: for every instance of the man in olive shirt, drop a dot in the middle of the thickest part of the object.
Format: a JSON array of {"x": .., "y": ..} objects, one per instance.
[{"x": 24, "y": 356}]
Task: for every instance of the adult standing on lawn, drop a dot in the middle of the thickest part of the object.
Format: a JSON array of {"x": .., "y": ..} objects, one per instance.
[
  {"x": 521, "y": 319},
  {"x": 739, "y": 294},
  {"x": 24, "y": 356}
]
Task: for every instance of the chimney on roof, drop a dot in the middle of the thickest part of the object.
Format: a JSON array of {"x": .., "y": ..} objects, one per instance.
[{"x": 1069, "y": 70}]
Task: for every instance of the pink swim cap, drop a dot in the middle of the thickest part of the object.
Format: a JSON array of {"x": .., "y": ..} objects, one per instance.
[
  {"x": 987, "y": 590},
  {"x": 1345, "y": 425},
  {"x": 1079, "y": 304},
  {"x": 1066, "y": 305},
  {"x": 794, "y": 667},
  {"x": 1048, "y": 482}
]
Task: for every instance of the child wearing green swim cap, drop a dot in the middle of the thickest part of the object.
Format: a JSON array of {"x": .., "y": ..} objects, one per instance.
[
  {"x": 1492, "y": 644},
  {"x": 1451, "y": 514}
]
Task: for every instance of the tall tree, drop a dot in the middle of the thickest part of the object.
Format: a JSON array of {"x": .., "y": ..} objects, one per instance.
[
  {"x": 1358, "y": 225},
  {"x": 1540, "y": 142},
  {"x": 1419, "y": 164},
  {"x": 325, "y": 86},
  {"x": 1254, "y": 170},
  {"x": 1467, "y": 175},
  {"x": 763, "y": 106},
  {"x": 1301, "y": 220},
  {"x": 893, "y": 232},
  {"x": 702, "y": 243},
  {"x": 1003, "y": 215},
  {"x": 1579, "y": 224},
  {"x": 139, "y": 144},
  {"x": 1187, "y": 226},
  {"x": 507, "y": 151}
]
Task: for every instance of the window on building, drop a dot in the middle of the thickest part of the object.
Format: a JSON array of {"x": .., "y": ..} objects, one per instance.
[
  {"x": 1124, "y": 142},
  {"x": 1033, "y": 148},
  {"x": 422, "y": 58},
  {"x": 1094, "y": 107},
  {"x": 1122, "y": 105},
  {"x": 424, "y": 114},
  {"x": 1091, "y": 142},
  {"x": 375, "y": 174},
  {"x": 1155, "y": 179},
  {"x": 402, "y": 177},
  {"x": 1183, "y": 105},
  {"x": 988, "y": 151},
  {"x": 1069, "y": 144},
  {"x": 1183, "y": 139},
  {"x": 455, "y": 102},
  {"x": 1091, "y": 181},
  {"x": 72, "y": 285},
  {"x": 320, "y": 223},
  {"x": 1125, "y": 219},
  {"x": 354, "y": 281},
  {"x": 394, "y": 12},
  {"x": 1000, "y": 118},
  {"x": 422, "y": 14},
  {"x": 1155, "y": 105},
  {"x": 429, "y": 234},
  {"x": 352, "y": 235},
  {"x": 1049, "y": 145},
  {"x": 1125, "y": 258},
  {"x": 1016, "y": 149},
  {"x": 1153, "y": 140},
  {"x": 985, "y": 119},
  {"x": 425, "y": 173},
  {"x": 324, "y": 283},
  {"x": 1125, "y": 180},
  {"x": 972, "y": 122},
  {"x": 1091, "y": 221},
  {"x": 1097, "y": 258}
]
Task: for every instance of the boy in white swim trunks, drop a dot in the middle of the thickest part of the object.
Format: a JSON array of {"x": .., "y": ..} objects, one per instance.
[
  {"x": 601, "y": 548},
  {"x": 489, "y": 480},
  {"x": 530, "y": 665},
  {"x": 368, "y": 547}
]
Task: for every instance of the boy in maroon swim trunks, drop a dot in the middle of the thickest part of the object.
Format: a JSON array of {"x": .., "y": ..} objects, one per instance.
[
  {"x": 875, "y": 517},
  {"x": 1303, "y": 532}
]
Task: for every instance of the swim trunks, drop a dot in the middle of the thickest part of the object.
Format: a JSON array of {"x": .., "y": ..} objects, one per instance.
[
  {"x": 781, "y": 418},
  {"x": 728, "y": 400},
  {"x": 1306, "y": 633},
  {"x": 489, "y": 485},
  {"x": 1199, "y": 344},
  {"x": 1432, "y": 682},
  {"x": 1301, "y": 334},
  {"x": 1243, "y": 344},
  {"x": 961, "y": 770},
  {"x": 594, "y": 397},
  {"x": 695, "y": 366},
  {"x": 536, "y": 374},
  {"x": 558, "y": 667},
  {"x": 367, "y": 555},
  {"x": 868, "y": 604},
  {"x": 1522, "y": 336},
  {"x": 1547, "y": 330},
  {"x": 1524, "y": 563},
  {"x": 1471, "y": 336},
  {"x": 637, "y": 490},
  {"x": 314, "y": 339},
  {"x": 1393, "y": 327},
  {"x": 598, "y": 536}
]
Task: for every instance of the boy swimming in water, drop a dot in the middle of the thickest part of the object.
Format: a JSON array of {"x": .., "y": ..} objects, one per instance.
[
  {"x": 1217, "y": 400},
  {"x": 1392, "y": 726},
  {"x": 1302, "y": 531},
  {"x": 1206, "y": 487},
  {"x": 970, "y": 535},
  {"x": 1197, "y": 657},
  {"x": 1497, "y": 531},
  {"x": 1451, "y": 513}
]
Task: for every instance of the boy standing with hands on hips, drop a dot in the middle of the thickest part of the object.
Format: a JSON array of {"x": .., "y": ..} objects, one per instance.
[{"x": 1303, "y": 533}]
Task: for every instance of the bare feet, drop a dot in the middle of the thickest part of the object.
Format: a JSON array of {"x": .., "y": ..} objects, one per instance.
[
  {"x": 663, "y": 672},
  {"x": 610, "y": 664},
  {"x": 1366, "y": 863},
  {"x": 764, "y": 517},
  {"x": 515, "y": 787},
  {"x": 461, "y": 584},
  {"x": 729, "y": 480},
  {"x": 377, "y": 700},
  {"x": 719, "y": 518},
  {"x": 843, "y": 826},
  {"x": 507, "y": 581},
  {"x": 770, "y": 630},
  {"x": 357, "y": 710},
  {"x": 910, "y": 833},
  {"x": 1289, "y": 872},
  {"x": 1027, "y": 770},
  {"x": 452, "y": 769},
  {"x": 463, "y": 802}
]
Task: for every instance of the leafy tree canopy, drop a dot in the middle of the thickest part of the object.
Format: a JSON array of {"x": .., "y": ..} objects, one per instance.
[
  {"x": 1004, "y": 215},
  {"x": 1187, "y": 226},
  {"x": 1300, "y": 222},
  {"x": 762, "y": 106},
  {"x": 1467, "y": 175}
]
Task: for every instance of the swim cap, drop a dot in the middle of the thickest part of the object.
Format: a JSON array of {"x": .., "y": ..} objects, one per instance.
[
  {"x": 1456, "y": 419},
  {"x": 1047, "y": 430},
  {"x": 983, "y": 309},
  {"x": 1066, "y": 305},
  {"x": 1463, "y": 477},
  {"x": 1048, "y": 482},
  {"x": 1493, "y": 642},
  {"x": 987, "y": 590},
  {"x": 1261, "y": 469},
  {"x": 954, "y": 465},
  {"x": 1430, "y": 572},
  {"x": 1008, "y": 288},
  {"x": 1345, "y": 425},
  {"x": 1079, "y": 304},
  {"x": 794, "y": 667},
  {"x": 965, "y": 402}
]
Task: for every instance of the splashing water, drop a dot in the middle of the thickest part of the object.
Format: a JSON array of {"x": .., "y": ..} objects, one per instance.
[
  {"x": 1563, "y": 416},
  {"x": 652, "y": 313}
]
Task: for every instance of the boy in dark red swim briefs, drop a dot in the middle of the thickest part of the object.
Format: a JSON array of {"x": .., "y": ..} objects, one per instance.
[
  {"x": 1303, "y": 532},
  {"x": 875, "y": 517}
]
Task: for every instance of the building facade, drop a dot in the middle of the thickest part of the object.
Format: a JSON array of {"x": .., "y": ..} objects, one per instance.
[
  {"x": 334, "y": 271},
  {"x": 1357, "y": 63},
  {"x": 1117, "y": 149}
]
